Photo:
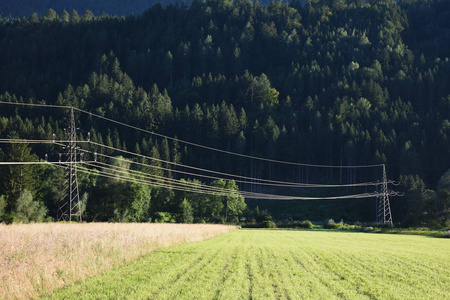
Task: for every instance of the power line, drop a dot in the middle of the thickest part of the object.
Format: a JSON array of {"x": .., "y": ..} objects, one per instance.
[
  {"x": 152, "y": 178},
  {"x": 256, "y": 195},
  {"x": 13, "y": 163},
  {"x": 36, "y": 104},
  {"x": 183, "y": 185},
  {"x": 112, "y": 173},
  {"x": 191, "y": 143},
  {"x": 26, "y": 141},
  {"x": 268, "y": 182},
  {"x": 162, "y": 180},
  {"x": 159, "y": 181},
  {"x": 68, "y": 208},
  {"x": 220, "y": 150},
  {"x": 293, "y": 184},
  {"x": 250, "y": 195},
  {"x": 253, "y": 180}
]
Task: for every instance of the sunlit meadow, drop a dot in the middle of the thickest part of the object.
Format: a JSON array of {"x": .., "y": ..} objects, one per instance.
[{"x": 37, "y": 258}]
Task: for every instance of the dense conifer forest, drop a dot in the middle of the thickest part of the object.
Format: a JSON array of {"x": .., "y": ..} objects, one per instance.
[
  {"x": 21, "y": 8},
  {"x": 329, "y": 82}
]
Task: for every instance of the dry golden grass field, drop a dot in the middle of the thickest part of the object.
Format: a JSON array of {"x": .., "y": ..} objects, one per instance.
[{"x": 35, "y": 259}]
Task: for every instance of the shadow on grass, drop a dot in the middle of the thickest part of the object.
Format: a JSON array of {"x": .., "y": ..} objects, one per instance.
[{"x": 401, "y": 231}]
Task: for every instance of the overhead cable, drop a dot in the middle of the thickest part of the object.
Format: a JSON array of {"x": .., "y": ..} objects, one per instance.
[
  {"x": 250, "y": 180},
  {"x": 191, "y": 143}
]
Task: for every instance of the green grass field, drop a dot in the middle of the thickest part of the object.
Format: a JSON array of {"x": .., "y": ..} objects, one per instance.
[{"x": 282, "y": 264}]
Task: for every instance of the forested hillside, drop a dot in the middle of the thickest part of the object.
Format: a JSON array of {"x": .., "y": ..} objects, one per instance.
[
  {"x": 24, "y": 8},
  {"x": 335, "y": 82}
]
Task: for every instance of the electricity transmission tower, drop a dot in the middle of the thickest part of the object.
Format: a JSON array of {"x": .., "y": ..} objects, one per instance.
[
  {"x": 69, "y": 208},
  {"x": 384, "y": 215}
]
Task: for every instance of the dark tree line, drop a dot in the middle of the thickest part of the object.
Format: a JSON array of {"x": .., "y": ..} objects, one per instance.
[
  {"x": 98, "y": 7},
  {"x": 338, "y": 82}
]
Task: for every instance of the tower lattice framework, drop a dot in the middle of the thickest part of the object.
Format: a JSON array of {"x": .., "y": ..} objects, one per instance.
[
  {"x": 69, "y": 206},
  {"x": 384, "y": 215}
]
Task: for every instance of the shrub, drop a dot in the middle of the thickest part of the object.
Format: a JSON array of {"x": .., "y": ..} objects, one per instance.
[
  {"x": 446, "y": 234},
  {"x": 334, "y": 226},
  {"x": 163, "y": 217},
  {"x": 267, "y": 218},
  {"x": 306, "y": 224},
  {"x": 367, "y": 229},
  {"x": 27, "y": 210},
  {"x": 269, "y": 224},
  {"x": 350, "y": 227},
  {"x": 330, "y": 224},
  {"x": 2, "y": 207},
  {"x": 303, "y": 224}
]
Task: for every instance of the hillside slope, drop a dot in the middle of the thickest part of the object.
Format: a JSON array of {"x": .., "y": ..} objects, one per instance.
[{"x": 339, "y": 83}]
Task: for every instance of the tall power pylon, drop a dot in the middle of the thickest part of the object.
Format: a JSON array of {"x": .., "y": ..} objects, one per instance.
[
  {"x": 384, "y": 215},
  {"x": 70, "y": 206}
]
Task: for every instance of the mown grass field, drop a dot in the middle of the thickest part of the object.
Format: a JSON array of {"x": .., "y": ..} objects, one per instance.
[{"x": 282, "y": 264}]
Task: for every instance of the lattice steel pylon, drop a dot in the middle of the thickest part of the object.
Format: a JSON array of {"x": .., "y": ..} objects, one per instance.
[
  {"x": 69, "y": 208},
  {"x": 384, "y": 215}
]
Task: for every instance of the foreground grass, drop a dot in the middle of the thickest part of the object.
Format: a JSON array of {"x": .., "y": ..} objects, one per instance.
[
  {"x": 37, "y": 258},
  {"x": 282, "y": 264}
]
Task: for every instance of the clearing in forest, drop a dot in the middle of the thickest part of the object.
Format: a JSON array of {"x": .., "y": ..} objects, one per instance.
[{"x": 282, "y": 264}]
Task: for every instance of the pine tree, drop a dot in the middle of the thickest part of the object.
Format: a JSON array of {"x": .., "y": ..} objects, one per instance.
[{"x": 186, "y": 214}]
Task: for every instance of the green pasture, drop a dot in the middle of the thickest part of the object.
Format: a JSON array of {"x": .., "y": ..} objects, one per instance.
[{"x": 282, "y": 264}]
